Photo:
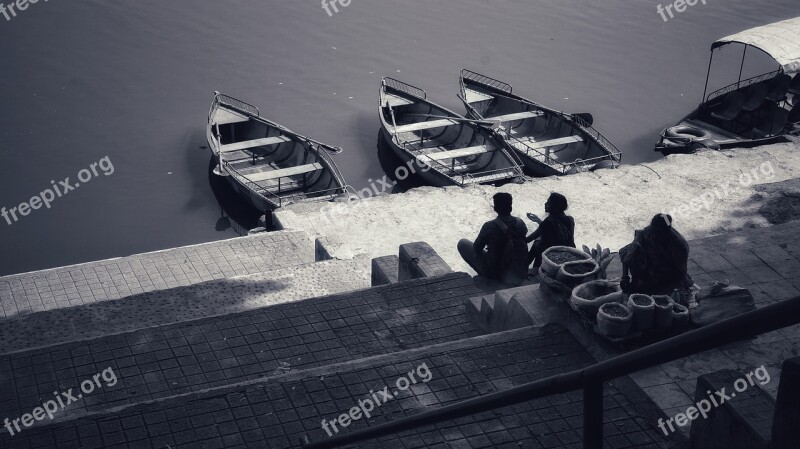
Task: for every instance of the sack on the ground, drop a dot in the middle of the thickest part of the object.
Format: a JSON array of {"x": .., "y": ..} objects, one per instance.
[
  {"x": 514, "y": 264},
  {"x": 719, "y": 302}
]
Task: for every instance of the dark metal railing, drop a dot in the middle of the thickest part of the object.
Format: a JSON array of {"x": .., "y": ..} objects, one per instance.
[
  {"x": 612, "y": 149},
  {"x": 404, "y": 87},
  {"x": 236, "y": 104},
  {"x": 483, "y": 80},
  {"x": 591, "y": 378},
  {"x": 743, "y": 83}
]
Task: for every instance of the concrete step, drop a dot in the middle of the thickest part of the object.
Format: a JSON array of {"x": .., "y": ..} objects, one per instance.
[
  {"x": 502, "y": 310},
  {"x": 191, "y": 356},
  {"x": 90, "y": 283},
  {"x": 276, "y": 411},
  {"x": 181, "y": 304}
]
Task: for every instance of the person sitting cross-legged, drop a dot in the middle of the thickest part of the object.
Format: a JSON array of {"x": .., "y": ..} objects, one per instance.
[{"x": 499, "y": 251}]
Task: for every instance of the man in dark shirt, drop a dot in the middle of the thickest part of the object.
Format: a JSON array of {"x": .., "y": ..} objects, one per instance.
[{"x": 485, "y": 255}]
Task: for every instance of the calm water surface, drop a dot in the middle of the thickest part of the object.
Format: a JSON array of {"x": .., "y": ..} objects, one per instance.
[{"x": 82, "y": 80}]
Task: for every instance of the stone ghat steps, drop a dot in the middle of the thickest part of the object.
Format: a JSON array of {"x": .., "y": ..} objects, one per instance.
[
  {"x": 192, "y": 356},
  {"x": 94, "y": 282},
  {"x": 180, "y": 304},
  {"x": 277, "y": 411}
]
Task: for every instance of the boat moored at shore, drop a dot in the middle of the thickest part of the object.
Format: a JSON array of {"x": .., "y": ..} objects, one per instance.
[
  {"x": 265, "y": 162},
  {"x": 547, "y": 141},
  {"x": 750, "y": 112},
  {"x": 450, "y": 149}
]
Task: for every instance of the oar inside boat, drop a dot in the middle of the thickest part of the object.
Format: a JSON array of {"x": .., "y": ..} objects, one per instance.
[{"x": 489, "y": 123}]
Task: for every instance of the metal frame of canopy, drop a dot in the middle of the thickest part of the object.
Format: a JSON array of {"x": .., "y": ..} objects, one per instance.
[{"x": 779, "y": 40}]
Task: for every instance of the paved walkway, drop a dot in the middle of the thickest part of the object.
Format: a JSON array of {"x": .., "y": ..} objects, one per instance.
[
  {"x": 192, "y": 356},
  {"x": 276, "y": 412},
  {"x": 180, "y": 304},
  {"x": 89, "y": 283}
]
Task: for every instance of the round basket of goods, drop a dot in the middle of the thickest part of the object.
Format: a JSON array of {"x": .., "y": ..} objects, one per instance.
[
  {"x": 614, "y": 319},
  {"x": 554, "y": 257},
  {"x": 588, "y": 297},
  {"x": 662, "y": 315},
  {"x": 578, "y": 272},
  {"x": 643, "y": 307}
]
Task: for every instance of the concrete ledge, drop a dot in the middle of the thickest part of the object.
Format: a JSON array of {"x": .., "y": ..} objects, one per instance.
[
  {"x": 385, "y": 270},
  {"x": 326, "y": 248},
  {"x": 741, "y": 422},
  {"x": 786, "y": 425},
  {"x": 419, "y": 260}
]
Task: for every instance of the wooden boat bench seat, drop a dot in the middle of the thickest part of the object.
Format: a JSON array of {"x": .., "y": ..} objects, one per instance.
[
  {"x": 253, "y": 143},
  {"x": 461, "y": 152},
  {"x": 394, "y": 101},
  {"x": 226, "y": 117},
  {"x": 516, "y": 116},
  {"x": 534, "y": 145},
  {"x": 430, "y": 124},
  {"x": 473, "y": 96},
  {"x": 283, "y": 172}
]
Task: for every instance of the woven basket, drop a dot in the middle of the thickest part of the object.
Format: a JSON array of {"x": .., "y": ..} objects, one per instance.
[
  {"x": 642, "y": 315},
  {"x": 614, "y": 326},
  {"x": 680, "y": 315},
  {"x": 662, "y": 315},
  {"x": 552, "y": 268},
  {"x": 588, "y": 297},
  {"x": 573, "y": 280}
]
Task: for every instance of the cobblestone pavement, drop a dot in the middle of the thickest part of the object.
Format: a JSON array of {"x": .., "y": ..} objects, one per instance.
[
  {"x": 277, "y": 412},
  {"x": 22, "y": 294},
  {"x": 180, "y": 304},
  {"x": 191, "y": 356}
]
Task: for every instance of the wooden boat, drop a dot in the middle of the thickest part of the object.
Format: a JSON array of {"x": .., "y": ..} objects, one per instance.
[
  {"x": 750, "y": 112},
  {"x": 441, "y": 146},
  {"x": 548, "y": 142},
  {"x": 267, "y": 163}
]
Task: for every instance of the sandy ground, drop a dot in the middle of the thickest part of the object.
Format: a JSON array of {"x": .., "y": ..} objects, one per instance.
[{"x": 707, "y": 193}]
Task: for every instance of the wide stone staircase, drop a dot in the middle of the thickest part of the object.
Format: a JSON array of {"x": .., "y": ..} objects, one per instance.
[{"x": 266, "y": 358}]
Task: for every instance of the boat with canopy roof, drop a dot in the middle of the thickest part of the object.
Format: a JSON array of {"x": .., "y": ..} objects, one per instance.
[{"x": 755, "y": 111}]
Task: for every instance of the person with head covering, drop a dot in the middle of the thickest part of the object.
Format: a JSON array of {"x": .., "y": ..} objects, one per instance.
[
  {"x": 557, "y": 229},
  {"x": 487, "y": 255},
  {"x": 656, "y": 262}
]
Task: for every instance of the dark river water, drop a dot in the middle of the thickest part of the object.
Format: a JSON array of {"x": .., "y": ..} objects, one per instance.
[{"x": 126, "y": 86}]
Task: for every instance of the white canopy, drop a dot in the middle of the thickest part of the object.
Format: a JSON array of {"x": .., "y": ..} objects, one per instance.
[{"x": 781, "y": 40}]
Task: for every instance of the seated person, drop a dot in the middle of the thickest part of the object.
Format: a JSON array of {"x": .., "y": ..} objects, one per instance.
[
  {"x": 656, "y": 262},
  {"x": 557, "y": 229},
  {"x": 487, "y": 254}
]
